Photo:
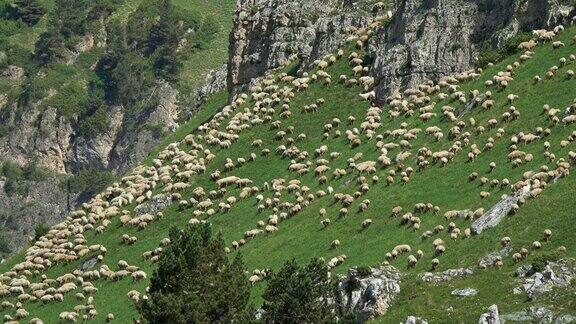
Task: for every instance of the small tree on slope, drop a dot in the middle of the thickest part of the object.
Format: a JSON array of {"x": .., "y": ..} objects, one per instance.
[
  {"x": 299, "y": 294},
  {"x": 195, "y": 282}
]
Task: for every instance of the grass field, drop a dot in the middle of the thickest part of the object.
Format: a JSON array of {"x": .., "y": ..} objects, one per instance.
[{"x": 302, "y": 236}]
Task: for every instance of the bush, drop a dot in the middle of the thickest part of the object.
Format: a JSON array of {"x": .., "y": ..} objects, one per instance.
[
  {"x": 196, "y": 283},
  {"x": 364, "y": 271},
  {"x": 12, "y": 171},
  {"x": 15, "y": 187},
  {"x": 299, "y": 294},
  {"x": 510, "y": 47},
  {"x": 4, "y": 248},
  {"x": 541, "y": 261},
  {"x": 40, "y": 230},
  {"x": 94, "y": 125},
  {"x": 88, "y": 182},
  {"x": 28, "y": 11}
]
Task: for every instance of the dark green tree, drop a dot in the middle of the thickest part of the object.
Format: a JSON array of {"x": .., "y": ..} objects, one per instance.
[
  {"x": 163, "y": 42},
  {"x": 72, "y": 16},
  {"x": 299, "y": 294},
  {"x": 29, "y": 11},
  {"x": 50, "y": 46},
  {"x": 195, "y": 282}
]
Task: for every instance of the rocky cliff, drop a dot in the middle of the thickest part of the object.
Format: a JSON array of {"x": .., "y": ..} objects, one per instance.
[
  {"x": 424, "y": 39},
  {"x": 428, "y": 39},
  {"x": 267, "y": 33}
]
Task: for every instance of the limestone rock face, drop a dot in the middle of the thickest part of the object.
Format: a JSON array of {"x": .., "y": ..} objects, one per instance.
[
  {"x": 423, "y": 40},
  {"x": 267, "y": 33},
  {"x": 554, "y": 274},
  {"x": 429, "y": 39},
  {"x": 368, "y": 295}
]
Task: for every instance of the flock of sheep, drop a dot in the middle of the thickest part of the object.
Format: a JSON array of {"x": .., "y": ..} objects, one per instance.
[{"x": 268, "y": 102}]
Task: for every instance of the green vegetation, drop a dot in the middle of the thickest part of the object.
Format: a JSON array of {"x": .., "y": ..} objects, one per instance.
[
  {"x": 17, "y": 176},
  {"x": 89, "y": 182},
  {"x": 302, "y": 236},
  {"x": 491, "y": 55},
  {"x": 27, "y": 11},
  {"x": 299, "y": 294},
  {"x": 156, "y": 40},
  {"x": 40, "y": 230},
  {"x": 195, "y": 282}
]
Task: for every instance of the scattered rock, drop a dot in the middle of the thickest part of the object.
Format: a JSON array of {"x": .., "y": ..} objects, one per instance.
[
  {"x": 13, "y": 72},
  {"x": 154, "y": 205},
  {"x": 368, "y": 296},
  {"x": 447, "y": 275},
  {"x": 555, "y": 274},
  {"x": 89, "y": 264},
  {"x": 493, "y": 216},
  {"x": 538, "y": 314},
  {"x": 490, "y": 259},
  {"x": 415, "y": 320},
  {"x": 464, "y": 292},
  {"x": 491, "y": 317}
]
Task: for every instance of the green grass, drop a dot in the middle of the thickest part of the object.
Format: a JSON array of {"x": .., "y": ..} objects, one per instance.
[{"x": 303, "y": 237}]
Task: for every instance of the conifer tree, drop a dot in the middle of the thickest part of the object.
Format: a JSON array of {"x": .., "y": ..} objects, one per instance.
[
  {"x": 29, "y": 11},
  {"x": 299, "y": 294},
  {"x": 195, "y": 282}
]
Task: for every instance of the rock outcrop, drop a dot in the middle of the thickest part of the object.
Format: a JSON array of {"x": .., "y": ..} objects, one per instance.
[
  {"x": 429, "y": 39},
  {"x": 423, "y": 40},
  {"x": 267, "y": 33},
  {"x": 554, "y": 274},
  {"x": 538, "y": 314},
  {"x": 45, "y": 202},
  {"x": 367, "y": 295},
  {"x": 447, "y": 275},
  {"x": 491, "y": 317},
  {"x": 493, "y": 216}
]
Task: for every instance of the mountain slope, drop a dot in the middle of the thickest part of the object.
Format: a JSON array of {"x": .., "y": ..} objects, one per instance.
[
  {"x": 403, "y": 180},
  {"x": 102, "y": 103}
]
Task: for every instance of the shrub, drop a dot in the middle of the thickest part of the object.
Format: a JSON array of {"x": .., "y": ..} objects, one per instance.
[
  {"x": 364, "y": 271},
  {"x": 299, "y": 294},
  {"x": 196, "y": 283},
  {"x": 540, "y": 261},
  {"x": 88, "y": 181},
  {"x": 40, "y": 230}
]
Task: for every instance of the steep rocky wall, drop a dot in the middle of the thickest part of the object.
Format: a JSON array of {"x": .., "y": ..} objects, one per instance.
[
  {"x": 425, "y": 39},
  {"x": 430, "y": 38},
  {"x": 45, "y": 203},
  {"x": 267, "y": 33}
]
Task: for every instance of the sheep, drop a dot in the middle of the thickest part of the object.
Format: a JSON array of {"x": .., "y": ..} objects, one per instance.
[
  {"x": 366, "y": 223},
  {"x": 412, "y": 260},
  {"x": 335, "y": 244},
  {"x": 547, "y": 234},
  {"x": 536, "y": 245},
  {"x": 403, "y": 248},
  {"x": 325, "y": 222},
  {"x": 434, "y": 263}
]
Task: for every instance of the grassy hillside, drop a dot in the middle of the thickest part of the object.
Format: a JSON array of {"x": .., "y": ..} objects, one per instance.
[{"x": 301, "y": 235}]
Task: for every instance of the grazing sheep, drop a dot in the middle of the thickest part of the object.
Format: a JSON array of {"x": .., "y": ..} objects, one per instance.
[
  {"x": 547, "y": 234},
  {"x": 366, "y": 223},
  {"x": 434, "y": 263},
  {"x": 335, "y": 244}
]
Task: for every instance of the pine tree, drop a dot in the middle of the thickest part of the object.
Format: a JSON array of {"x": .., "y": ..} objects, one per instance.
[
  {"x": 195, "y": 282},
  {"x": 72, "y": 15},
  {"x": 50, "y": 46},
  {"x": 299, "y": 294},
  {"x": 29, "y": 11}
]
